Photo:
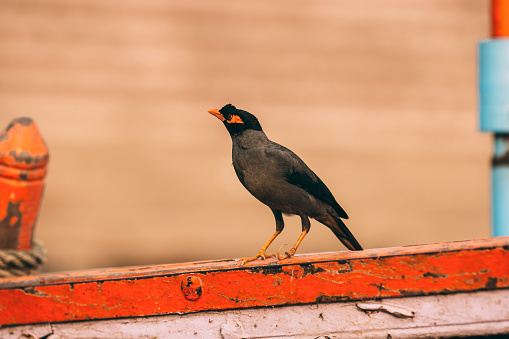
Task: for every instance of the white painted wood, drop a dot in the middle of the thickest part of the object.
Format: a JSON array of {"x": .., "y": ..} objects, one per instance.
[{"x": 479, "y": 313}]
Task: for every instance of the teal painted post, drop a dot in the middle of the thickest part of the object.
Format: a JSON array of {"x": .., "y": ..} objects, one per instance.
[{"x": 494, "y": 117}]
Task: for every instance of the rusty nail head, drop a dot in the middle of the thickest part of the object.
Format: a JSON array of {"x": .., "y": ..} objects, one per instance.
[{"x": 192, "y": 287}]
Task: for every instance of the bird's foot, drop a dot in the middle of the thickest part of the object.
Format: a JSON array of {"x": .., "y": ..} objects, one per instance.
[
  {"x": 261, "y": 255},
  {"x": 287, "y": 255}
]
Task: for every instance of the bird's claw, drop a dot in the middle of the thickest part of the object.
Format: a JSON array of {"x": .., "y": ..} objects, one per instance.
[
  {"x": 287, "y": 255},
  {"x": 261, "y": 255}
]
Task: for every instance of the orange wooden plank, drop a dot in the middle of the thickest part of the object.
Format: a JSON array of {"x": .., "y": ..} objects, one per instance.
[{"x": 220, "y": 285}]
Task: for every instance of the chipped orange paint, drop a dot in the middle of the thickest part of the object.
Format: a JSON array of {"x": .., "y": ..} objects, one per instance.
[
  {"x": 23, "y": 162},
  {"x": 305, "y": 279}
]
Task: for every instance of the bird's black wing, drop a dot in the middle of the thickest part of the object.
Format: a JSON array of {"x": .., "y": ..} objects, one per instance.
[{"x": 299, "y": 174}]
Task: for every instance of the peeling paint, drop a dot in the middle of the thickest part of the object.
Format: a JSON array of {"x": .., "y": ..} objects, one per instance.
[
  {"x": 311, "y": 269},
  {"x": 492, "y": 283},
  {"x": 25, "y": 157},
  {"x": 322, "y": 298},
  {"x": 434, "y": 275},
  {"x": 304, "y": 279},
  {"x": 396, "y": 311},
  {"x": 10, "y": 226}
]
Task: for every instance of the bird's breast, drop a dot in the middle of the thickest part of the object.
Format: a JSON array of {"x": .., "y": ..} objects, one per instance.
[
  {"x": 257, "y": 172},
  {"x": 264, "y": 178}
]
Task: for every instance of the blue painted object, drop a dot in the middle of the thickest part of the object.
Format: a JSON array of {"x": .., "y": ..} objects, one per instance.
[
  {"x": 500, "y": 186},
  {"x": 494, "y": 117},
  {"x": 494, "y": 85}
]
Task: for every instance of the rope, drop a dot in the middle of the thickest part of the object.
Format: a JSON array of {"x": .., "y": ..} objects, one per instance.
[{"x": 15, "y": 263}]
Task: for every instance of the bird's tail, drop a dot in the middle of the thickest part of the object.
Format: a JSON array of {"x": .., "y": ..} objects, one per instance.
[{"x": 344, "y": 235}]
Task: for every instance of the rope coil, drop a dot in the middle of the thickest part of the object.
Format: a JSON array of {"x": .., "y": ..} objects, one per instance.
[{"x": 15, "y": 263}]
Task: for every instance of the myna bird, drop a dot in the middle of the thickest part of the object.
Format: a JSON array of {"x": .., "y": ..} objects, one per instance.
[{"x": 281, "y": 180}]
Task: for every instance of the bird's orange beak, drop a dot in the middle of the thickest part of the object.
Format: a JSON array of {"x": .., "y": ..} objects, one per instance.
[{"x": 217, "y": 114}]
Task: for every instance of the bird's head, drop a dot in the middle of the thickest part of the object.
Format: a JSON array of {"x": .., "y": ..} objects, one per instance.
[{"x": 236, "y": 120}]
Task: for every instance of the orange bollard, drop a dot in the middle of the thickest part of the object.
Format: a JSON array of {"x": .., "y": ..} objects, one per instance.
[
  {"x": 23, "y": 162},
  {"x": 500, "y": 18}
]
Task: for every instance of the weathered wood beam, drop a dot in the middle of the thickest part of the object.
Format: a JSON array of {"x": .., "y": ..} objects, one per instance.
[
  {"x": 437, "y": 316},
  {"x": 435, "y": 269}
]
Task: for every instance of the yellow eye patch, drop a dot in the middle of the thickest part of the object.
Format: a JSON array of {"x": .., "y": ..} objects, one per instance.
[{"x": 235, "y": 119}]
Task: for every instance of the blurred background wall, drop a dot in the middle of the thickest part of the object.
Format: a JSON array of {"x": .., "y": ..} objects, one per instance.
[{"x": 378, "y": 97}]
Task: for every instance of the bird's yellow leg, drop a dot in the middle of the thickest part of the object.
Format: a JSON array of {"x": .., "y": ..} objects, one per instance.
[
  {"x": 291, "y": 252},
  {"x": 261, "y": 254}
]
